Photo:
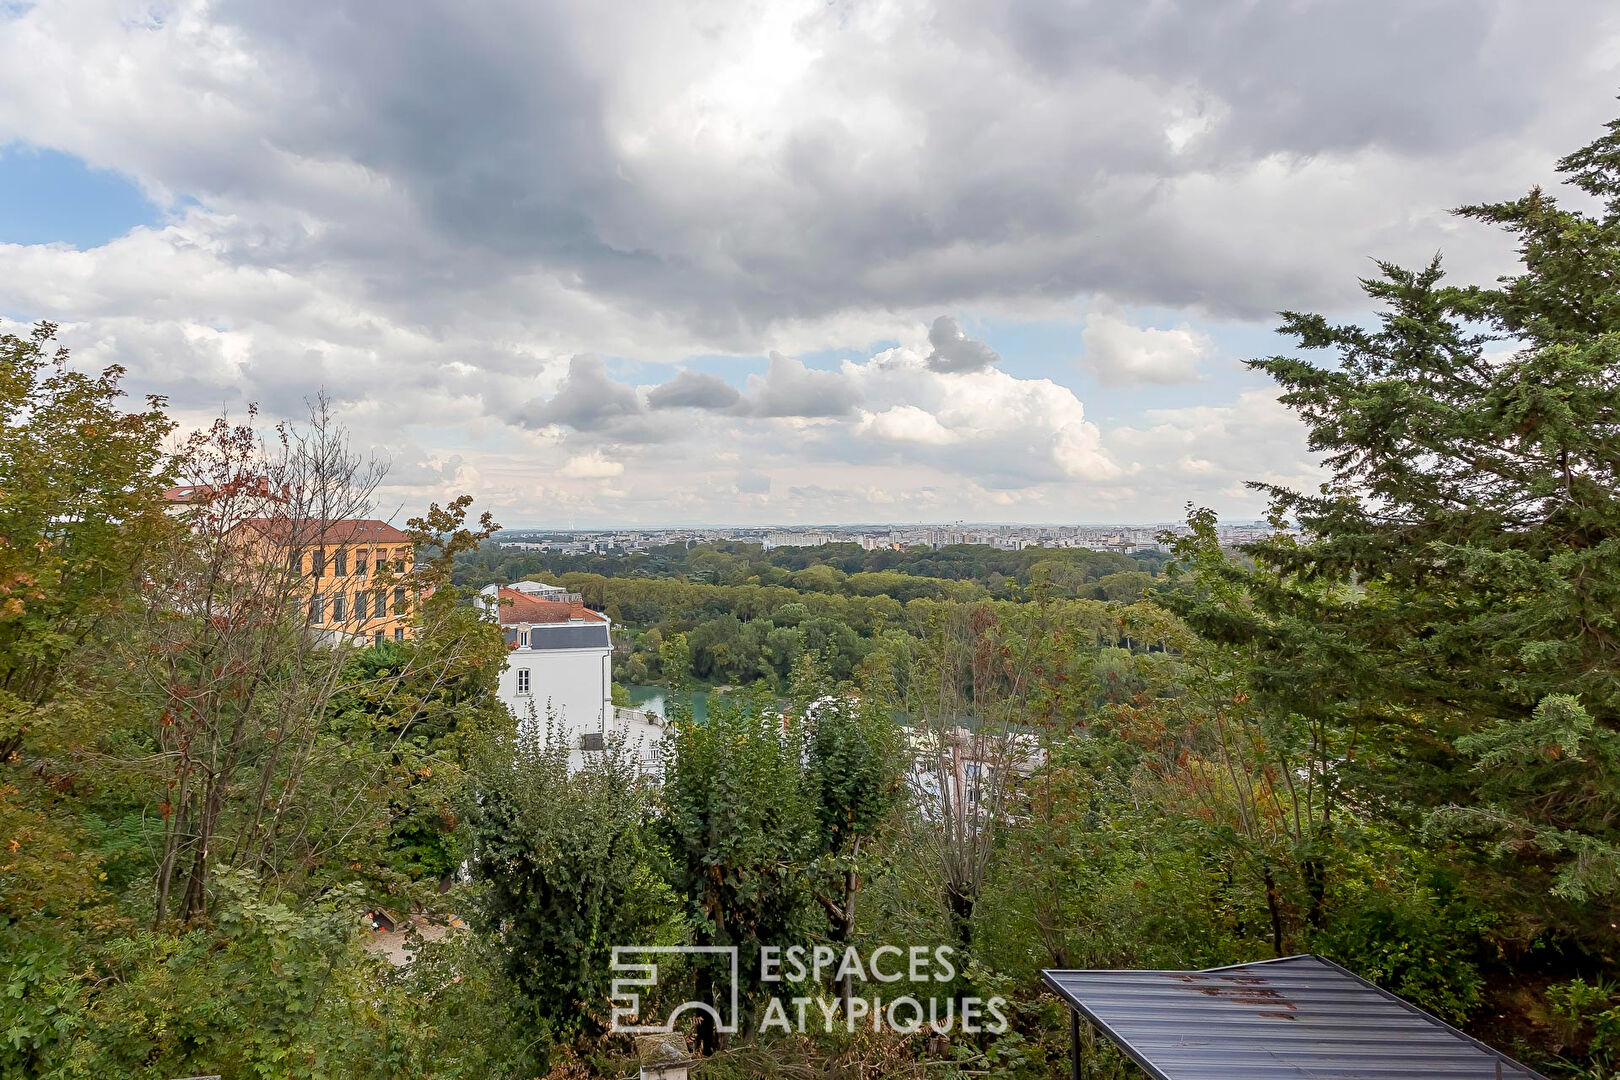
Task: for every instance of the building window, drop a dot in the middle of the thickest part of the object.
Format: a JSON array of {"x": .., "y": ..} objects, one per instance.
[
  {"x": 399, "y": 633},
  {"x": 523, "y": 680},
  {"x": 317, "y": 609},
  {"x": 360, "y": 563},
  {"x": 359, "y": 604},
  {"x": 376, "y": 639},
  {"x": 379, "y": 605},
  {"x": 523, "y": 639},
  {"x": 591, "y": 740},
  {"x": 399, "y": 600},
  {"x": 340, "y": 606},
  {"x": 340, "y": 563}
]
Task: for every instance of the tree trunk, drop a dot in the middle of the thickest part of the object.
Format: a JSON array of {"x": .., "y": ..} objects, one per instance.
[
  {"x": 844, "y": 925},
  {"x": 1316, "y": 889},
  {"x": 166, "y": 865},
  {"x": 961, "y": 913},
  {"x": 708, "y": 1036},
  {"x": 196, "y": 899},
  {"x": 1274, "y": 906}
]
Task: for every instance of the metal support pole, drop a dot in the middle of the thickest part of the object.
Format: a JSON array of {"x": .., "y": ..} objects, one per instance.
[{"x": 1076, "y": 1070}]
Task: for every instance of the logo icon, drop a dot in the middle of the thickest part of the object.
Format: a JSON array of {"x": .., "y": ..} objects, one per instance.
[{"x": 624, "y": 1017}]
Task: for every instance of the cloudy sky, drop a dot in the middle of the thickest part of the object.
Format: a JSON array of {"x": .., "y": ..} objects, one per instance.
[{"x": 820, "y": 261}]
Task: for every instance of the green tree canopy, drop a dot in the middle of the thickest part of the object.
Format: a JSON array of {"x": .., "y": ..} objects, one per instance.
[
  {"x": 1457, "y": 593},
  {"x": 81, "y": 481}
]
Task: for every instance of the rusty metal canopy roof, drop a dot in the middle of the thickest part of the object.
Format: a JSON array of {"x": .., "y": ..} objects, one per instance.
[{"x": 1287, "y": 1019}]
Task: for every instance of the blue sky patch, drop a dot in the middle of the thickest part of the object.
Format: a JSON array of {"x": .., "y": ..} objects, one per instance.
[{"x": 50, "y": 197}]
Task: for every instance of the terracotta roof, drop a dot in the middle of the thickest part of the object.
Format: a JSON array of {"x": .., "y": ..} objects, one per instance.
[
  {"x": 524, "y": 608},
  {"x": 346, "y": 531},
  {"x": 180, "y": 496}
]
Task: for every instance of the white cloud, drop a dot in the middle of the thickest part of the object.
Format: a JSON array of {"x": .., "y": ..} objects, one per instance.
[
  {"x": 753, "y": 484},
  {"x": 1119, "y": 353},
  {"x": 1209, "y": 453},
  {"x": 789, "y": 389},
  {"x": 592, "y": 466},
  {"x": 904, "y": 424},
  {"x": 1003, "y": 430}
]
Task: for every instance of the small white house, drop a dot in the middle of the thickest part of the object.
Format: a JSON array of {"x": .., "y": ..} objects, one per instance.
[
  {"x": 957, "y": 772},
  {"x": 559, "y": 663}
]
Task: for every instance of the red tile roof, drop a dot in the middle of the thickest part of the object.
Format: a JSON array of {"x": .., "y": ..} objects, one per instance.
[
  {"x": 346, "y": 531},
  {"x": 532, "y": 609},
  {"x": 181, "y": 496}
]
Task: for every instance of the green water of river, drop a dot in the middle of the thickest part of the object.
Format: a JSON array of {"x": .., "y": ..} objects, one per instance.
[{"x": 658, "y": 699}]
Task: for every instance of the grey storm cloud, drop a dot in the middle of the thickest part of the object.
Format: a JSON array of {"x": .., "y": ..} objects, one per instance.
[
  {"x": 1050, "y": 148},
  {"x": 954, "y": 351},
  {"x": 788, "y": 388},
  {"x": 674, "y": 180},
  {"x": 694, "y": 390},
  {"x": 587, "y": 400}
]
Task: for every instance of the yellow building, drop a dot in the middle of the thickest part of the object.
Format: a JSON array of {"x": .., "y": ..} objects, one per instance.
[{"x": 356, "y": 575}]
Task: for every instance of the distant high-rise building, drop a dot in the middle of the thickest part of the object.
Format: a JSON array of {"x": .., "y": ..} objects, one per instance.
[{"x": 796, "y": 539}]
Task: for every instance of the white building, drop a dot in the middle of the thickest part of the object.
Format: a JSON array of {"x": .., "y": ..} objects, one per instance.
[
  {"x": 559, "y": 666},
  {"x": 796, "y": 539},
  {"x": 958, "y": 772},
  {"x": 538, "y": 589}
]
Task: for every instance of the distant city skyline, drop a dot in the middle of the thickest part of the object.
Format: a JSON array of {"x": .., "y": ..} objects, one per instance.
[
  {"x": 765, "y": 526},
  {"x": 798, "y": 261},
  {"x": 1125, "y": 539}
]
